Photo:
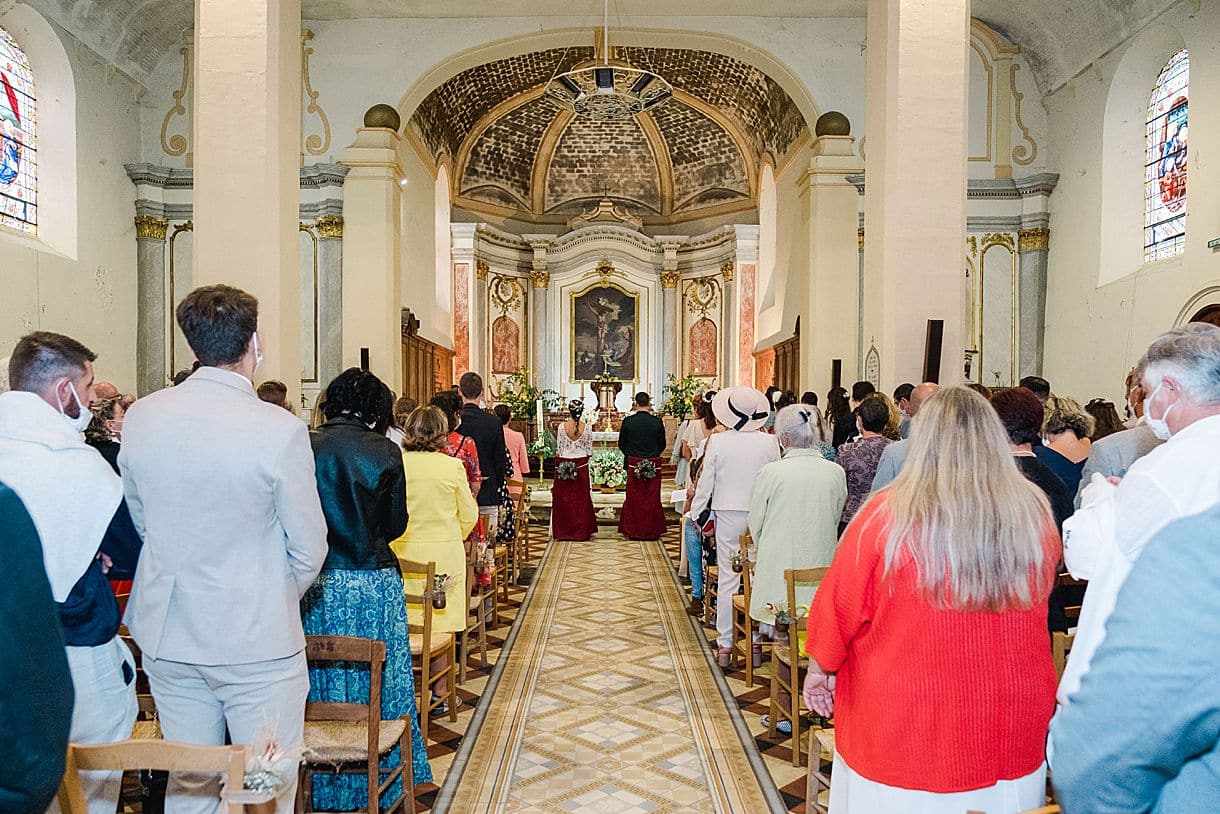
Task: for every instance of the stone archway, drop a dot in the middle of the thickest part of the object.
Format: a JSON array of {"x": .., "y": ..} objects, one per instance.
[{"x": 1209, "y": 314}]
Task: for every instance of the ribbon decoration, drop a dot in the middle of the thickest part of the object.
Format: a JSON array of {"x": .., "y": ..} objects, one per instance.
[{"x": 743, "y": 418}]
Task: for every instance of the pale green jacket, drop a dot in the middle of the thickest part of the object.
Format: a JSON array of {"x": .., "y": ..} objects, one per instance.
[{"x": 795, "y": 506}]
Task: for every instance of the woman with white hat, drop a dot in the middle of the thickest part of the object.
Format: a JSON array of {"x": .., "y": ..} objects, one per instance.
[{"x": 731, "y": 460}]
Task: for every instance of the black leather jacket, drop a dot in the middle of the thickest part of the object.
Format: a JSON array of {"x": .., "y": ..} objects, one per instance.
[{"x": 363, "y": 490}]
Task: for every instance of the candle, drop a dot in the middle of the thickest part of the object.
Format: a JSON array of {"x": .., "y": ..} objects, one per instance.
[{"x": 540, "y": 426}]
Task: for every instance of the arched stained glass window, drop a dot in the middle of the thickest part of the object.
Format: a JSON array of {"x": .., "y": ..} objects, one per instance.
[{"x": 1165, "y": 161}]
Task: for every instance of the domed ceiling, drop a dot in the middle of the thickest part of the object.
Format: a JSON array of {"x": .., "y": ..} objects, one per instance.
[{"x": 517, "y": 153}]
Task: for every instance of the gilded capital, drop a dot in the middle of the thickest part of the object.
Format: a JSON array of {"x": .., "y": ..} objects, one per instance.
[
  {"x": 150, "y": 228},
  {"x": 1036, "y": 239},
  {"x": 329, "y": 226},
  {"x": 481, "y": 269},
  {"x": 540, "y": 278},
  {"x": 726, "y": 271},
  {"x": 669, "y": 279}
]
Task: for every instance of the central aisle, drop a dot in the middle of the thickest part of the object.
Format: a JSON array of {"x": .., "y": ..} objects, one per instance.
[{"x": 607, "y": 702}]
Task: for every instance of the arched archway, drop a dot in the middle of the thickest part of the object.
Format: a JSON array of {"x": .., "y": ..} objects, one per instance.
[{"x": 1209, "y": 314}]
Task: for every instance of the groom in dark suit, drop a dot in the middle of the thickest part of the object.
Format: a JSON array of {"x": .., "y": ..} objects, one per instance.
[{"x": 642, "y": 440}]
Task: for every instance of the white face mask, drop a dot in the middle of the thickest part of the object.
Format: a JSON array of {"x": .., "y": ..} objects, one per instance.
[
  {"x": 258, "y": 354},
  {"x": 1159, "y": 427},
  {"x": 83, "y": 416}
]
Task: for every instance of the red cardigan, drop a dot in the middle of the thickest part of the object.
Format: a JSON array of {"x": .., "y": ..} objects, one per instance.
[{"x": 928, "y": 699}]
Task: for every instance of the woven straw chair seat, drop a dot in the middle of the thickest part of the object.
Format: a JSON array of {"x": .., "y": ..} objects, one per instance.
[
  {"x": 347, "y": 741},
  {"x": 440, "y": 643},
  {"x": 781, "y": 653},
  {"x": 739, "y": 602},
  {"x": 825, "y": 739},
  {"x": 146, "y": 730}
]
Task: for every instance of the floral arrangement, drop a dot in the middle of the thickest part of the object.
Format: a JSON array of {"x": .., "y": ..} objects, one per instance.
[
  {"x": 518, "y": 393},
  {"x": 606, "y": 469},
  {"x": 270, "y": 766},
  {"x": 606, "y": 378},
  {"x": 782, "y": 619},
  {"x": 646, "y": 470},
  {"x": 543, "y": 446},
  {"x": 679, "y": 395},
  {"x": 566, "y": 470},
  {"x": 441, "y": 583}
]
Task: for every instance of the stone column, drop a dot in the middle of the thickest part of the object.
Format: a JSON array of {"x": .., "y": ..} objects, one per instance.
[
  {"x": 915, "y": 182},
  {"x": 480, "y": 349},
  {"x": 372, "y": 247},
  {"x": 151, "y": 327},
  {"x": 746, "y": 282},
  {"x": 1033, "y": 247},
  {"x": 247, "y": 135},
  {"x": 830, "y": 206},
  {"x": 729, "y": 324},
  {"x": 330, "y": 297},
  {"x": 540, "y": 278},
  {"x": 669, "y": 309}
]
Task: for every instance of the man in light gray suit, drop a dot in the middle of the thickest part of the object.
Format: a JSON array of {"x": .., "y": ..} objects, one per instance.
[{"x": 221, "y": 486}]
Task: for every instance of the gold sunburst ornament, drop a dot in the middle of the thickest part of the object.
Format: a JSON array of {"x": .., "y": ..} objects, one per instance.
[{"x": 606, "y": 92}]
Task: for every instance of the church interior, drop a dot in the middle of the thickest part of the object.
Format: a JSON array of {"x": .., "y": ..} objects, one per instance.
[{"x": 790, "y": 194}]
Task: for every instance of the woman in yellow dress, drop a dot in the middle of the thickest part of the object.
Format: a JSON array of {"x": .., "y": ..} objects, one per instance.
[{"x": 441, "y": 510}]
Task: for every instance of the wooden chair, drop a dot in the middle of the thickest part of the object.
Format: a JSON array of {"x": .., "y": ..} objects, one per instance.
[
  {"x": 433, "y": 656},
  {"x": 347, "y": 738},
  {"x": 789, "y": 663},
  {"x": 524, "y": 552},
  {"x": 476, "y": 621},
  {"x": 817, "y": 782},
  {"x": 711, "y": 579},
  {"x": 514, "y": 547},
  {"x": 227, "y": 761},
  {"x": 1061, "y": 642},
  {"x": 147, "y": 726},
  {"x": 744, "y": 627}
]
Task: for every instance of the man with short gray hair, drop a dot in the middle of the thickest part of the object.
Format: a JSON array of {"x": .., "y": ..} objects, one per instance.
[{"x": 1180, "y": 478}]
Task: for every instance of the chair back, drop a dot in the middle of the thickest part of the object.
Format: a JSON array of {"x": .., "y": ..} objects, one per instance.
[
  {"x": 798, "y": 616},
  {"x": 355, "y": 649},
  {"x": 1061, "y": 642},
  {"x": 426, "y": 571},
  {"x": 168, "y": 756},
  {"x": 745, "y": 542}
]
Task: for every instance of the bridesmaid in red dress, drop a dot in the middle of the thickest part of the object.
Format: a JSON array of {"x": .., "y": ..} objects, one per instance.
[{"x": 572, "y": 516}]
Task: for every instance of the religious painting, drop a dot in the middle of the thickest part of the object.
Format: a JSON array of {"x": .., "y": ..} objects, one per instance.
[
  {"x": 1165, "y": 161},
  {"x": 604, "y": 334},
  {"x": 505, "y": 345},
  {"x": 703, "y": 348}
]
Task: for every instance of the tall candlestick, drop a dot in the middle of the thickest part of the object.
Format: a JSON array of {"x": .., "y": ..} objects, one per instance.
[{"x": 540, "y": 425}]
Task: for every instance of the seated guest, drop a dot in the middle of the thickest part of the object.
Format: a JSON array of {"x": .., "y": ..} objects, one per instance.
[
  {"x": 274, "y": 392},
  {"x": 572, "y": 516},
  {"x": 1105, "y": 419},
  {"x": 642, "y": 438},
  {"x": 443, "y": 512},
  {"x": 795, "y": 506},
  {"x": 1113, "y": 455},
  {"x": 731, "y": 461},
  {"x": 359, "y": 592},
  {"x": 859, "y": 458},
  {"x": 927, "y": 639},
  {"x": 895, "y": 454},
  {"x": 1155, "y": 748},
  {"x": 1066, "y": 432},
  {"x": 902, "y": 400},
  {"x": 1037, "y": 385},
  {"x": 75, "y": 500},
  {"x": 515, "y": 443},
  {"x": 1021, "y": 414}
]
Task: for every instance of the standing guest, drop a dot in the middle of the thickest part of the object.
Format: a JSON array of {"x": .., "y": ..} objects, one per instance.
[
  {"x": 902, "y": 400},
  {"x": 698, "y": 430},
  {"x": 1066, "y": 432},
  {"x": 362, "y": 487},
  {"x": 316, "y": 417},
  {"x": 443, "y": 513},
  {"x": 488, "y": 435},
  {"x": 222, "y": 487},
  {"x": 690, "y": 446},
  {"x": 809, "y": 397},
  {"x": 927, "y": 639},
  {"x": 795, "y": 506},
  {"x": 274, "y": 392},
  {"x": 105, "y": 430},
  {"x": 1037, "y": 385},
  {"x": 106, "y": 390},
  {"x": 572, "y": 516},
  {"x": 982, "y": 389},
  {"x": 1105, "y": 419},
  {"x": 457, "y": 443},
  {"x": 1137, "y": 393},
  {"x": 1021, "y": 414},
  {"x": 692, "y": 543},
  {"x": 772, "y": 393},
  {"x": 893, "y": 456},
  {"x": 642, "y": 438},
  {"x": 74, "y": 498},
  {"x": 4, "y": 375},
  {"x": 1178, "y": 479},
  {"x": 403, "y": 408},
  {"x": 842, "y": 420},
  {"x": 1158, "y": 750},
  {"x": 731, "y": 461},
  {"x": 1113, "y": 455},
  {"x": 859, "y": 390},
  {"x": 514, "y": 442},
  {"x": 860, "y": 458},
  {"x": 36, "y": 706}
]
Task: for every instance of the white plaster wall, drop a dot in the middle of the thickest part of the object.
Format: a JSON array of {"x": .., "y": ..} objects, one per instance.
[
  {"x": 419, "y": 267},
  {"x": 780, "y": 305},
  {"x": 91, "y": 297},
  {"x": 1097, "y": 325}
]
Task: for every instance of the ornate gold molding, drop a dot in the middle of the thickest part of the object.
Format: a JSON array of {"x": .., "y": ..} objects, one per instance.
[
  {"x": 151, "y": 228},
  {"x": 1021, "y": 154},
  {"x": 178, "y": 143},
  {"x": 481, "y": 269},
  {"x": 997, "y": 239},
  {"x": 669, "y": 279},
  {"x": 604, "y": 267},
  {"x": 726, "y": 270},
  {"x": 540, "y": 278},
  {"x": 505, "y": 294},
  {"x": 329, "y": 226},
  {"x": 702, "y": 295},
  {"x": 1035, "y": 239},
  {"x": 315, "y": 144}
]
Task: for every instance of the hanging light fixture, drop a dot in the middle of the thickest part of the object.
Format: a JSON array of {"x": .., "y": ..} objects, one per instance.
[{"x": 608, "y": 92}]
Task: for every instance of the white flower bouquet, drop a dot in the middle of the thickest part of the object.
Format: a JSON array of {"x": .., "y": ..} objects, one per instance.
[{"x": 607, "y": 468}]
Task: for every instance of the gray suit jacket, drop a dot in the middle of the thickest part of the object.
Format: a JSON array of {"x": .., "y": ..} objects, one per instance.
[
  {"x": 221, "y": 486},
  {"x": 1113, "y": 455},
  {"x": 892, "y": 459}
]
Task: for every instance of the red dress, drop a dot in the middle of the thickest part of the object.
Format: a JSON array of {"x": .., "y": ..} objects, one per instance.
[
  {"x": 643, "y": 516},
  {"x": 572, "y": 516},
  {"x": 462, "y": 447},
  {"x": 933, "y": 699}
]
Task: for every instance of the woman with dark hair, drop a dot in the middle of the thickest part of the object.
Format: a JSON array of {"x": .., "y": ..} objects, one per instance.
[
  {"x": 839, "y": 414},
  {"x": 859, "y": 458},
  {"x": 362, "y": 487},
  {"x": 457, "y": 444},
  {"x": 1106, "y": 420},
  {"x": 572, "y": 516},
  {"x": 809, "y": 397},
  {"x": 105, "y": 430}
]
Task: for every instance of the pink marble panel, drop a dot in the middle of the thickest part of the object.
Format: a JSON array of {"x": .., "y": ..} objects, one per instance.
[
  {"x": 461, "y": 319},
  {"x": 703, "y": 348},
  {"x": 745, "y": 339},
  {"x": 505, "y": 345}
]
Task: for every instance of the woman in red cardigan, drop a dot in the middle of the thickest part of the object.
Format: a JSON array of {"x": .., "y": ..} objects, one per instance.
[{"x": 928, "y": 637}]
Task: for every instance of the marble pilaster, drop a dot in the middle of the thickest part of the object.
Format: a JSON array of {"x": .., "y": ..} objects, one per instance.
[
  {"x": 330, "y": 297},
  {"x": 540, "y": 280},
  {"x": 151, "y": 313},
  {"x": 669, "y": 309},
  {"x": 1033, "y": 248}
]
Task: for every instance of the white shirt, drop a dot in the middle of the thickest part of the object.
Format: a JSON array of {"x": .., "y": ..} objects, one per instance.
[
  {"x": 1177, "y": 479},
  {"x": 730, "y": 462}
]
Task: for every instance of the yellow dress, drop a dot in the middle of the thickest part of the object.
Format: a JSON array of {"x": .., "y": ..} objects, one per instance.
[{"x": 442, "y": 512}]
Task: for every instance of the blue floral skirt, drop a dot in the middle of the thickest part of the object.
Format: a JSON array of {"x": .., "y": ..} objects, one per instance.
[{"x": 369, "y": 604}]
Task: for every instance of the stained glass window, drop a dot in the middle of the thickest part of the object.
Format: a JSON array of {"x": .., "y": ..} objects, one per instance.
[{"x": 1165, "y": 162}]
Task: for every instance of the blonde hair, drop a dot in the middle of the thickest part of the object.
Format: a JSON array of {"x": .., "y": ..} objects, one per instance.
[
  {"x": 962, "y": 510},
  {"x": 425, "y": 430}
]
